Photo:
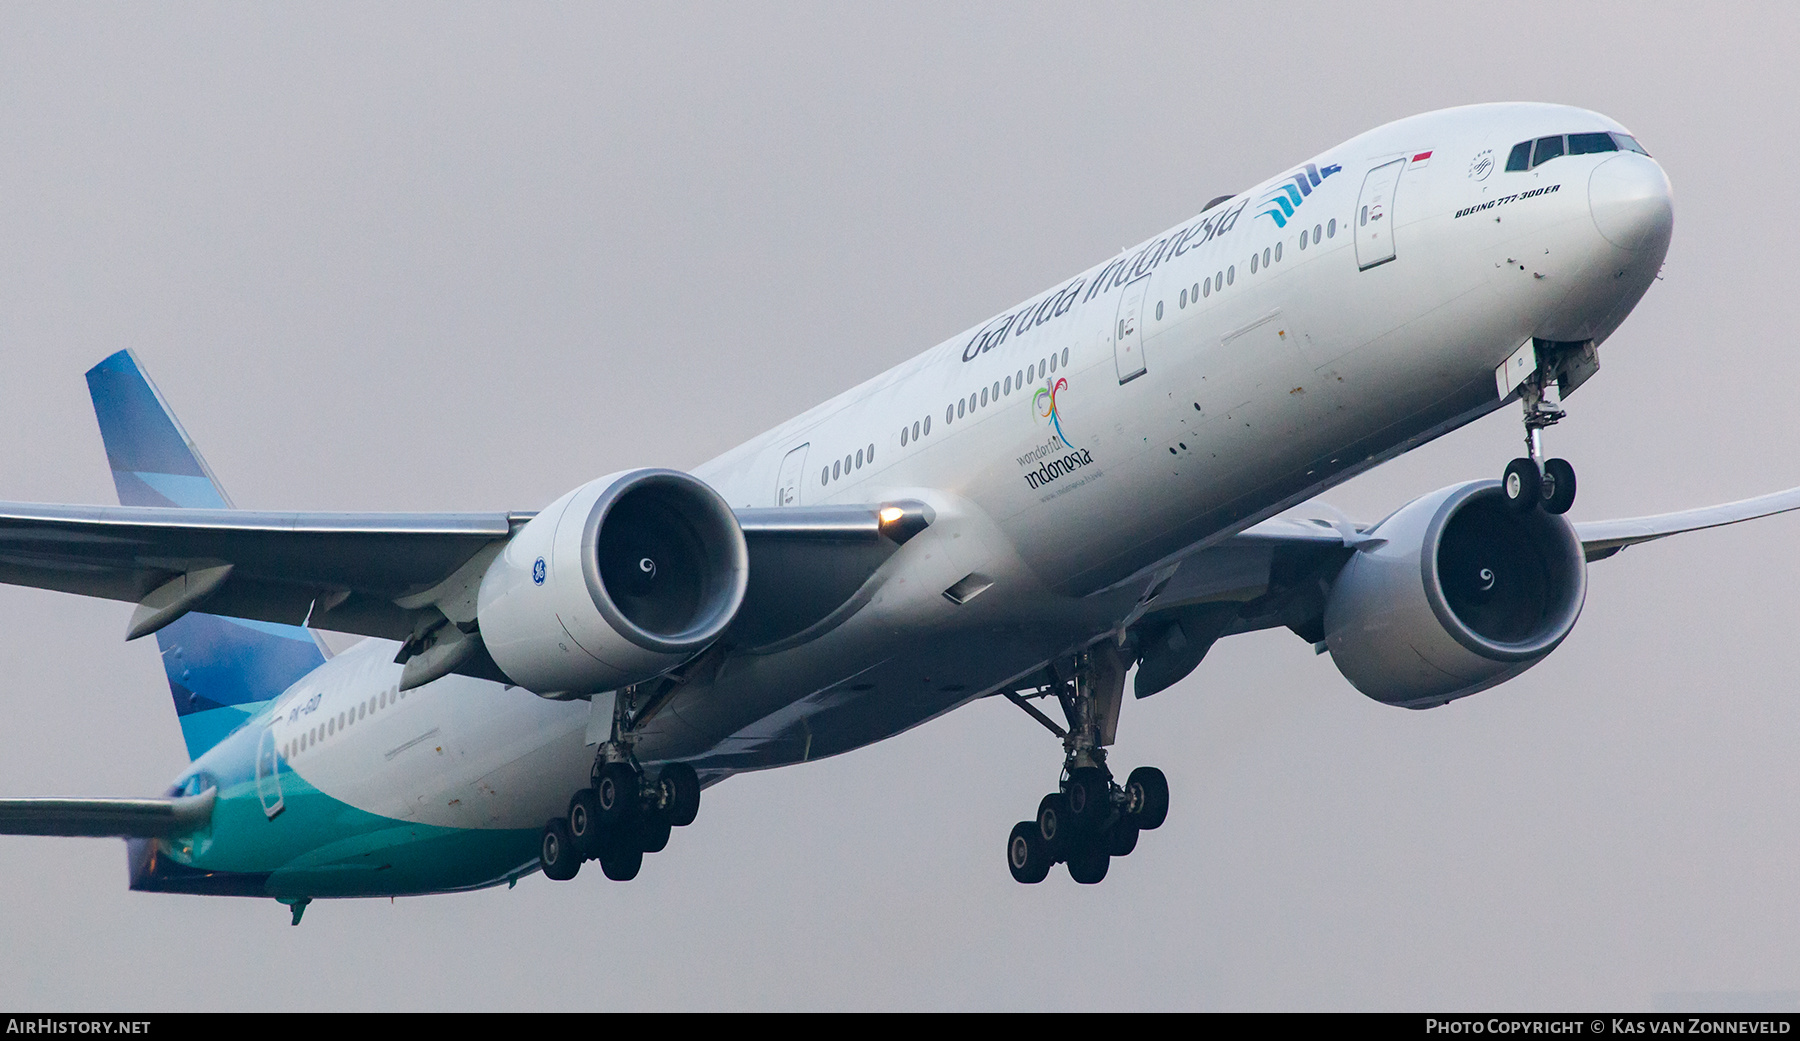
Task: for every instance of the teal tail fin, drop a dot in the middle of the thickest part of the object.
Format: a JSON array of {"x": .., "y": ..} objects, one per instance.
[{"x": 221, "y": 670}]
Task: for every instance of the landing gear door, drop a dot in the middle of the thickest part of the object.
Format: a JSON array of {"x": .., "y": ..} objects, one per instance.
[
  {"x": 268, "y": 774},
  {"x": 1375, "y": 215},
  {"x": 787, "y": 489},
  {"x": 1128, "y": 331}
]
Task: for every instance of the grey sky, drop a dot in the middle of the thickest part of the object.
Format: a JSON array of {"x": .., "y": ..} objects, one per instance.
[{"x": 467, "y": 257}]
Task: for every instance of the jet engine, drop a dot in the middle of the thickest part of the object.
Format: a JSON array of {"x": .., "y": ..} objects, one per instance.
[
  {"x": 1453, "y": 594},
  {"x": 615, "y": 583}
]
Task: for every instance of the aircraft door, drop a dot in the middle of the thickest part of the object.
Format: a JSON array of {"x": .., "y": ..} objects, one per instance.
[
  {"x": 1375, "y": 215},
  {"x": 793, "y": 466},
  {"x": 1128, "y": 330},
  {"x": 268, "y": 774}
]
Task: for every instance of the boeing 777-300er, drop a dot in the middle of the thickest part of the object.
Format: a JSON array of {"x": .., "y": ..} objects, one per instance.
[{"x": 1093, "y": 480}]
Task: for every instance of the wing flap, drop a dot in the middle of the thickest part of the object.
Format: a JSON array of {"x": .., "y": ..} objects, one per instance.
[{"x": 107, "y": 818}]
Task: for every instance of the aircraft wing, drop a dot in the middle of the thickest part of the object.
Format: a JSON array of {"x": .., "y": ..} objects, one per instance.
[
  {"x": 1601, "y": 539},
  {"x": 1277, "y": 573},
  {"x": 371, "y": 573},
  {"x": 107, "y": 818}
]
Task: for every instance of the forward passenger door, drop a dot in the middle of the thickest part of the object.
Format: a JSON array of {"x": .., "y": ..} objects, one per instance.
[{"x": 1374, "y": 218}]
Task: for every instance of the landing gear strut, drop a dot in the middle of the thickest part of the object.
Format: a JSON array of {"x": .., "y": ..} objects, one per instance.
[
  {"x": 1532, "y": 480},
  {"x": 624, "y": 813},
  {"x": 1090, "y": 818}
]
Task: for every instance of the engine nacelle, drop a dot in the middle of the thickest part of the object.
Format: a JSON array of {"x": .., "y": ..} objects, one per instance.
[
  {"x": 614, "y": 583},
  {"x": 1464, "y": 594}
]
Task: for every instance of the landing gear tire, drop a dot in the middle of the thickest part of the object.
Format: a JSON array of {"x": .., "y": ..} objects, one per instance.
[
  {"x": 1052, "y": 824},
  {"x": 557, "y": 854},
  {"x": 1088, "y": 866},
  {"x": 1027, "y": 856},
  {"x": 584, "y": 824},
  {"x": 1558, "y": 490},
  {"x": 678, "y": 789},
  {"x": 1089, "y": 799},
  {"x": 1122, "y": 837},
  {"x": 616, "y": 797},
  {"x": 1147, "y": 797},
  {"x": 1522, "y": 483},
  {"x": 621, "y": 861},
  {"x": 653, "y": 835}
]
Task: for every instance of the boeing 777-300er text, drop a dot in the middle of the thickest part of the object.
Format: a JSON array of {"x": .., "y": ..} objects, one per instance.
[{"x": 1087, "y": 482}]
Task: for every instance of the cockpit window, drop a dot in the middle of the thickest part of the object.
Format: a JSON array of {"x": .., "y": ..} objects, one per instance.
[
  {"x": 1528, "y": 154},
  {"x": 1585, "y": 144}
]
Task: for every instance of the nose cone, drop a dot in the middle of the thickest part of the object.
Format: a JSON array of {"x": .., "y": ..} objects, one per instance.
[{"x": 1631, "y": 202}]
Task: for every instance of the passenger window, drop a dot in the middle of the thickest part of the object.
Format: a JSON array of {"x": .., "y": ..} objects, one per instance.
[
  {"x": 835, "y": 473},
  {"x": 1206, "y": 287},
  {"x": 1277, "y": 251},
  {"x": 1182, "y": 302},
  {"x": 959, "y": 407},
  {"x": 1195, "y": 294},
  {"x": 1231, "y": 274},
  {"x": 996, "y": 390},
  {"x": 1520, "y": 157},
  {"x": 902, "y": 437},
  {"x": 1315, "y": 234},
  {"x": 825, "y": 476},
  {"x": 1253, "y": 263},
  {"x": 1331, "y": 227},
  {"x": 1364, "y": 219},
  {"x": 1265, "y": 256},
  {"x": 1053, "y": 363},
  {"x": 1159, "y": 310},
  {"x": 927, "y": 424},
  {"x": 915, "y": 428},
  {"x": 1065, "y": 357},
  {"x": 1219, "y": 280},
  {"x": 984, "y": 395},
  {"x": 948, "y": 409},
  {"x": 1548, "y": 148},
  {"x": 1588, "y": 144},
  {"x": 871, "y": 453},
  {"x": 1302, "y": 238},
  {"x": 859, "y": 458}
]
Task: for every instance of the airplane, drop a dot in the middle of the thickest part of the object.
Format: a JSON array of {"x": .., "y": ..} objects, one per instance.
[{"x": 1094, "y": 485}]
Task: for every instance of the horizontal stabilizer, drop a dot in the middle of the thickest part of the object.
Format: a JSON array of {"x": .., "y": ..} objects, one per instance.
[{"x": 107, "y": 818}]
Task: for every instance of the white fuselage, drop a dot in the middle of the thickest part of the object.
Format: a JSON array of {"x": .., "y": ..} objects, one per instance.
[{"x": 1270, "y": 370}]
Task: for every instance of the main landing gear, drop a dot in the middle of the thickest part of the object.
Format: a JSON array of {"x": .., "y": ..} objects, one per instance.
[
  {"x": 1090, "y": 818},
  {"x": 624, "y": 813},
  {"x": 1531, "y": 480}
]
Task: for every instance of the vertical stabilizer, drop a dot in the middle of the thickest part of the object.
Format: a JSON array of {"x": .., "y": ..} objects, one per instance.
[{"x": 221, "y": 670}]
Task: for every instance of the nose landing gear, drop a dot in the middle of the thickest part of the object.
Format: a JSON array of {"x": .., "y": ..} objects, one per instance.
[
  {"x": 624, "y": 813},
  {"x": 1090, "y": 818},
  {"x": 1531, "y": 480}
]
